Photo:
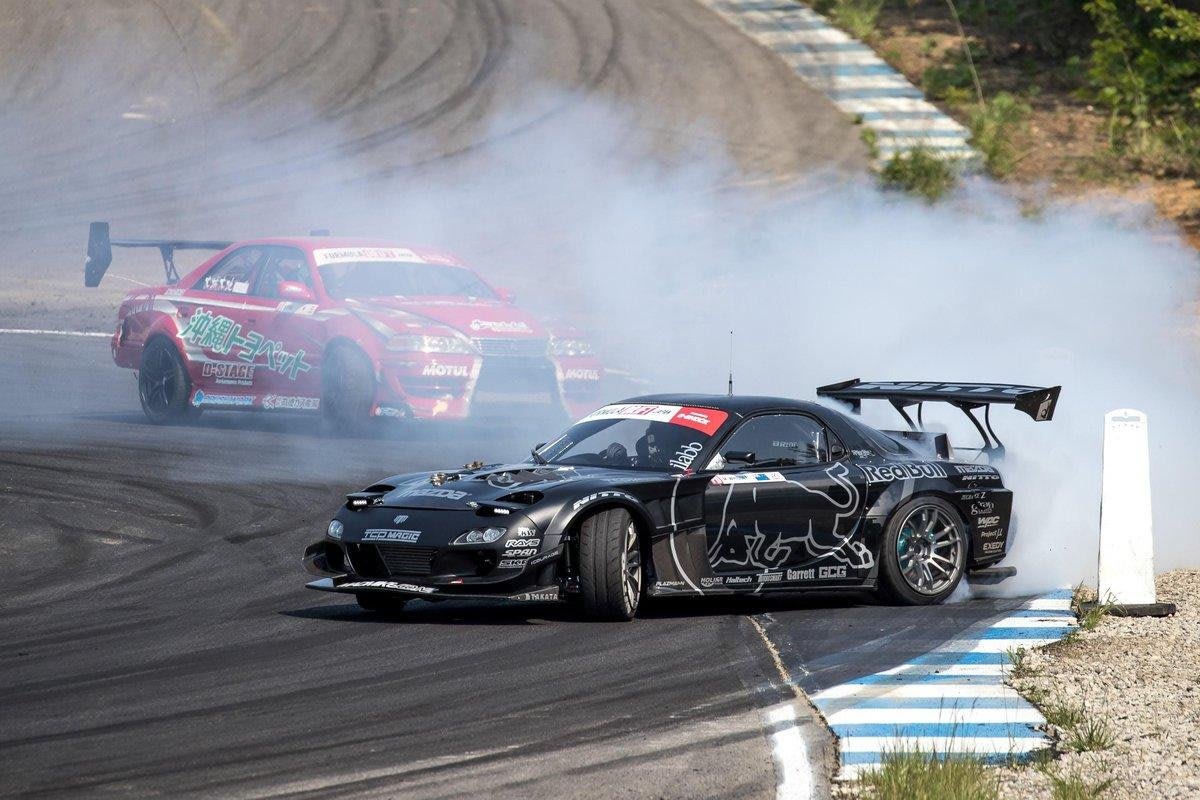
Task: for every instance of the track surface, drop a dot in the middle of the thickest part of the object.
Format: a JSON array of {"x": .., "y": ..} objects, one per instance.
[{"x": 155, "y": 638}]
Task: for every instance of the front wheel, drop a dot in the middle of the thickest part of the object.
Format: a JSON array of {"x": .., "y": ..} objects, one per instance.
[
  {"x": 347, "y": 389},
  {"x": 163, "y": 384},
  {"x": 924, "y": 554},
  {"x": 610, "y": 565},
  {"x": 380, "y": 603}
]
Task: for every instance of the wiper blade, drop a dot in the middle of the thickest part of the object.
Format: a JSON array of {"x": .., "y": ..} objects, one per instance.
[{"x": 538, "y": 458}]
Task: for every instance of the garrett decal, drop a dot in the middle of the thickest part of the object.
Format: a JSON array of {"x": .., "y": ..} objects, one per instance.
[
  {"x": 801, "y": 574},
  {"x": 897, "y": 472},
  {"x": 389, "y": 535}
]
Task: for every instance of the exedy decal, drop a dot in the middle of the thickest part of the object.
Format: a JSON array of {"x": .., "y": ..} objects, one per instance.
[{"x": 220, "y": 334}]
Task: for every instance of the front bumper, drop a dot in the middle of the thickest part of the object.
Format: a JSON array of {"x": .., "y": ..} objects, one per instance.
[
  {"x": 454, "y": 386},
  {"x": 350, "y": 585}
]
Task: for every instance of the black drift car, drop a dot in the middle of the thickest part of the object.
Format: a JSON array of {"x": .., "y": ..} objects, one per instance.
[{"x": 693, "y": 495}]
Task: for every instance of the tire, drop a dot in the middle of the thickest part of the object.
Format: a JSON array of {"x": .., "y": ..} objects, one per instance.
[
  {"x": 163, "y": 384},
  {"x": 380, "y": 603},
  {"x": 611, "y": 572},
  {"x": 347, "y": 390},
  {"x": 924, "y": 553}
]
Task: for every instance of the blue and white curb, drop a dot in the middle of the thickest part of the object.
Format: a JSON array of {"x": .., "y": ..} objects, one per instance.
[
  {"x": 950, "y": 700},
  {"x": 851, "y": 75}
]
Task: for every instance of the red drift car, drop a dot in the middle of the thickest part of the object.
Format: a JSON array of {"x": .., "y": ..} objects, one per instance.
[{"x": 350, "y": 328}]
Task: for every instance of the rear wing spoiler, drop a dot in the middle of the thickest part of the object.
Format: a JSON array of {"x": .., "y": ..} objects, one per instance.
[
  {"x": 1037, "y": 401},
  {"x": 100, "y": 245}
]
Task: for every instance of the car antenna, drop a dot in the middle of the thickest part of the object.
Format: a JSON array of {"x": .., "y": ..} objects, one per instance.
[{"x": 731, "y": 363}]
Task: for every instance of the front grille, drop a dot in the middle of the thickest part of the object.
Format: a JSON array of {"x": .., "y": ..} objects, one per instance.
[
  {"x": 527, "y": 380},
  {"x": 511, "y": 347},
  {"x": 406, "y": 559}
]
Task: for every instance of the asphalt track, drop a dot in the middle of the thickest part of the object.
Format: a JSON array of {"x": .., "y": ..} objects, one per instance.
[{"x": 155, "y": 638}]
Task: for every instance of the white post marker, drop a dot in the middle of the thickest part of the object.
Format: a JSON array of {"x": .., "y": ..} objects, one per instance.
[{"x": 1126, "y": 570}]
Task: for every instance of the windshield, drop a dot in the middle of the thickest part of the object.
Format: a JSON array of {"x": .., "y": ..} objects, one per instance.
[
  {"x": 390, "y": 278},
  {"x": 637, "y": 436}
]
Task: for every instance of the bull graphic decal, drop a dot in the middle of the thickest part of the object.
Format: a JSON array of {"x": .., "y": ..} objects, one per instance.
[{"x": 771, "y": 550}]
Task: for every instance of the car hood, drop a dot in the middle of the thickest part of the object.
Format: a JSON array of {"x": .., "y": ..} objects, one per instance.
[
  {"x": 461, "y": 489},
  {"x": 474, "y": 318}
]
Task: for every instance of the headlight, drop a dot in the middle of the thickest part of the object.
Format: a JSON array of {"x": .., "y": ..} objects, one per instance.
[
  {"x": 570, "y": 347},
  {"x": 418, "y": 343},
  {"x": 334, "y": 530},
  {"x": 480, "y": 536}
]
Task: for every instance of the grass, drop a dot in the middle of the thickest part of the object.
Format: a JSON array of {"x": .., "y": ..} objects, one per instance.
[
  {"x": 856, "y": 17},
  {"x": 931, "y": 776},
  {"x": 1018, "y": 657},
  {"x": 994, "y": 125},
  {"x": 919, "y": 172},
  {"x": 1074, "y": 787},
  {"x": 1089, "y": 735}
]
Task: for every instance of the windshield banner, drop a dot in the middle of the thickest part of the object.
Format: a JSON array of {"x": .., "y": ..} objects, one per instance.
[
  {"x": 344, "y": 255},
  {"x": 705, "y": 420}
]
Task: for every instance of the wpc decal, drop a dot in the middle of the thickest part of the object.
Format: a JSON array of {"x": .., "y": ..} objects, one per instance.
[{"x": 221, "y": 334}]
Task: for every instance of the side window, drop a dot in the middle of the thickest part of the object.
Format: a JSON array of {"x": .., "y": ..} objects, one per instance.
[
  {"x": 779, "y": 439},
  {"x": 284, "y": 264},
  {"x": 235, "y": 273}
]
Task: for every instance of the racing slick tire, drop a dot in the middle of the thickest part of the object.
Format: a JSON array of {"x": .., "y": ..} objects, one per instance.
[
  {"x": 163, "y": 384},
  {"x": 610, "y": 566},
  {"x": 924, "y": 554},
  {"x": 347, "y": 390},
  {"x": 380, "y": 603}
]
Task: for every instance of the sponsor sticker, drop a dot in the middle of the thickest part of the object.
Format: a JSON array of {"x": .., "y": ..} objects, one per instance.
[
  {"x": 228, "y": 372},
  {"x": 737, "y": 580},
  {"x": 524, "y": 542},
  {"x": 220, "y": 334},
  {"x": 541, "y": 594},
  {"x": 521, "y": 553},
  {"x": 705, "y": 420},
  {"x": 600, "y": 496},
  {"x": 500, "y": 326},
  {"x": 289, "y": 402},
  {"x": 748, "y": 477},
  {"x": 390, "y": 535},
  {"x": 769, "y": 577},
  {"x": 511, "y": 563},
  {"x": 581, "y": 374},
  {"x": 801, "y": 574},
  {"x": 202, "y": 398},
  {"x": 983, "y": 507},
  {"x": 445, "y": 371},
  {"x": 987, "y": 522},
  {"x": 824, "y": 573},
  {"x": 899, "y": 472},
  {"x": 993, "y": 547},
  {"x": 686, "y": 454},
  {"x": 447, "y": 494},
  {"x": 346, "y": 255},
  {"x": 400, "y": 587},
  {"x": 974, "y": 469},
  {"x": 995, "y": 533}
]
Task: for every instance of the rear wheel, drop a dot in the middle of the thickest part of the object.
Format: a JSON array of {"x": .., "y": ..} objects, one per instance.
[
  {"x": 163, "y": 383},
  {"x": 924, "y": 552},
  {"x": 380, "y": 603},
  {"x": 610, "y": 565},
  {"x": 347, "y": 389}
]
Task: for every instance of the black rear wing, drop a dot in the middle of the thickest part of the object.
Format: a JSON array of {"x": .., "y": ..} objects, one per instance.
[
  {"x": 100, "y": 245},
  {"x": 1036, "y": 401}
]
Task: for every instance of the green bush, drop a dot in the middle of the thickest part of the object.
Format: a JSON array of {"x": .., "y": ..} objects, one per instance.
[
  {"x": 919, "y": 172},
  {"x": 856, "y": 17},
  {"x": 1145, "y": 68},
  {"x": 993, "y": 127}
]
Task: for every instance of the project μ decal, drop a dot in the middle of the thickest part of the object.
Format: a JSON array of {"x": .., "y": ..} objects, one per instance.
[
  {"x": 202, "y": 398},
  {"x": 221, "y": 334}
]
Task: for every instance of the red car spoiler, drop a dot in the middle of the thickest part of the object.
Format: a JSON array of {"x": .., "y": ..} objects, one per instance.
[{"x": 100, "y": 245}]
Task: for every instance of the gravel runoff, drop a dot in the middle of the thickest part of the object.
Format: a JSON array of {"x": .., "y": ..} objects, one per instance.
[{"x": 1140, "y": 675}]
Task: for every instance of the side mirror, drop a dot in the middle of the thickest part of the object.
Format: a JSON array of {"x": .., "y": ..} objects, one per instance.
[
  {"x": 507, "y": 295},
  {"x": 294, "y": 290},
  {"x": 743, "y": 456}
]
